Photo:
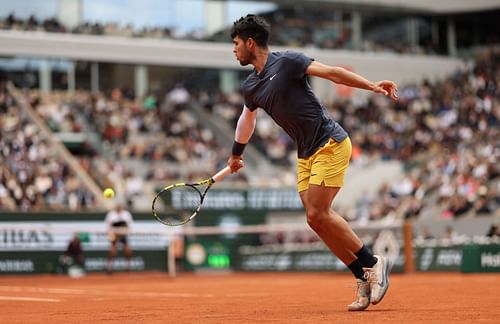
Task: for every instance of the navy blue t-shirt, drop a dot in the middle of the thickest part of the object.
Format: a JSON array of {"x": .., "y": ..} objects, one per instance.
[{"x": 282, "y": 90}]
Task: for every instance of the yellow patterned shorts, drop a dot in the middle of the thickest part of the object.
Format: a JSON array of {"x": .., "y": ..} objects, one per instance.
[{"x": 327, "y": 166}]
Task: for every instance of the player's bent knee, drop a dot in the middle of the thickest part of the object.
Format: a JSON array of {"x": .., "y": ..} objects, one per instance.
[{"x": 315, "y": 218}]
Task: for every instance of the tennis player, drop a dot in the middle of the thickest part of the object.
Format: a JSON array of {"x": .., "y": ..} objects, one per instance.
[{"x": 278, "y": 84}]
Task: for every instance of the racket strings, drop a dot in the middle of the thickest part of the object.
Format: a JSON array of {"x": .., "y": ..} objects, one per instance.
[{"x": 178, "y": 204}]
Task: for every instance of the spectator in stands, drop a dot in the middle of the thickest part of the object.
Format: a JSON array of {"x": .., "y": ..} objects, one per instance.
[
  {"x": 278, "y": 84},
  {"x": 493, "y": 231},
  {"x": 6, "y": 202},
  {"x": 459, "y": 206},
  {"x": 177, "y": 97},
  {"x": 483, "y": 204},
  {"x": 449, "y": 233},
  {"x": 427, "y": 233}
]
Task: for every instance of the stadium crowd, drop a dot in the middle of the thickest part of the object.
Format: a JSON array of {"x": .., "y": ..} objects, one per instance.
[
  {"x": 292, "y": 27},
  {"x": 144, "y": 128},
  {"x": 32, "y": 175},
  {"x": 53, "y": 25},
  {"x": 157, "y": 132},
  {"x": 449, "y": 136},
  {"x": 446, "y": 132},
  {"x": 316, "y": 27}
]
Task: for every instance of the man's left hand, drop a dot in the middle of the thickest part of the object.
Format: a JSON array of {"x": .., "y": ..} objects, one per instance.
[{"x": 387, "y": 88}]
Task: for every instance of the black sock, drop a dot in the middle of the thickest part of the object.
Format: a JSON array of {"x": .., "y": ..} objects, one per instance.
[
  {"x": 357, "y": 269},
  {"x": 366, "y": 257}
]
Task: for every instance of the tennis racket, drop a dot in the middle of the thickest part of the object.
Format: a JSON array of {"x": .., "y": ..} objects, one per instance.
[{"x": 179, "y": 203}]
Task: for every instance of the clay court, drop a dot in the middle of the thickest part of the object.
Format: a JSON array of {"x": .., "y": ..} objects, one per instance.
[{"x": 245, "y": 298}]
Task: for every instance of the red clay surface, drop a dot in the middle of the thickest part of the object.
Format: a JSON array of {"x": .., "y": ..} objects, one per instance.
[{"x": 245, "y": 298}]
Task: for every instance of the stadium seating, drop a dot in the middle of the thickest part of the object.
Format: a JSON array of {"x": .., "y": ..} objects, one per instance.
[
  {"x": 311, "y": 28},
  {"x": 32, "y": 176},
  {"x": 445, "y": 132}
]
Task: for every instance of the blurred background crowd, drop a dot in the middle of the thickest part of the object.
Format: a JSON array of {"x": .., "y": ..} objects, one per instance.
[
  {"x": 444, "y": 132},
  {"x": 303, "y": 26}
]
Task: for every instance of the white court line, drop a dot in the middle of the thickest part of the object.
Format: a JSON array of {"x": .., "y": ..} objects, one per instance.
[
  {"x": 43, "y": 290},
  {"x": 48, "y": 300},
  {"x": 111, "y": 293},
  {"x": 97, "y": 292}
]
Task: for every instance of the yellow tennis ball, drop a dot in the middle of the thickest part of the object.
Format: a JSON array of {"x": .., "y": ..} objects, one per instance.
[{"x": 108, "y": 193}]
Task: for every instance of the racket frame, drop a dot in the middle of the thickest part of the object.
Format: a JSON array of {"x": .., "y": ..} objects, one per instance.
[{"x": 219, "y": 176}]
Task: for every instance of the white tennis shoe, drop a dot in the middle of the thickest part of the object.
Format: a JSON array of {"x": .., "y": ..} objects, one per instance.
[
  {"x": 378, "y": 277},
  {"x": 362, "y": 296}
]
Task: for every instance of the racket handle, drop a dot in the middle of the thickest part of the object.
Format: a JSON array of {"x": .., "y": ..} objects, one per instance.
[{"x": 219, "y": 176}]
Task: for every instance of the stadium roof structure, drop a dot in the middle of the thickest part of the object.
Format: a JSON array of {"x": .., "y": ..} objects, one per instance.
[{"x": 427, "y": 6}]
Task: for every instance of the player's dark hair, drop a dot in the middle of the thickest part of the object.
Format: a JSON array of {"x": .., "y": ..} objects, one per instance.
[{"x": 252, "y": 26}]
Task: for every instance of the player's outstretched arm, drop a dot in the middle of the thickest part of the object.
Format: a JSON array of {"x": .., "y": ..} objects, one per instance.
[
  {"x": 245, "y": 126},
  {"x": 340, "y": 75},
  {"x": 244, "y": 131}
]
